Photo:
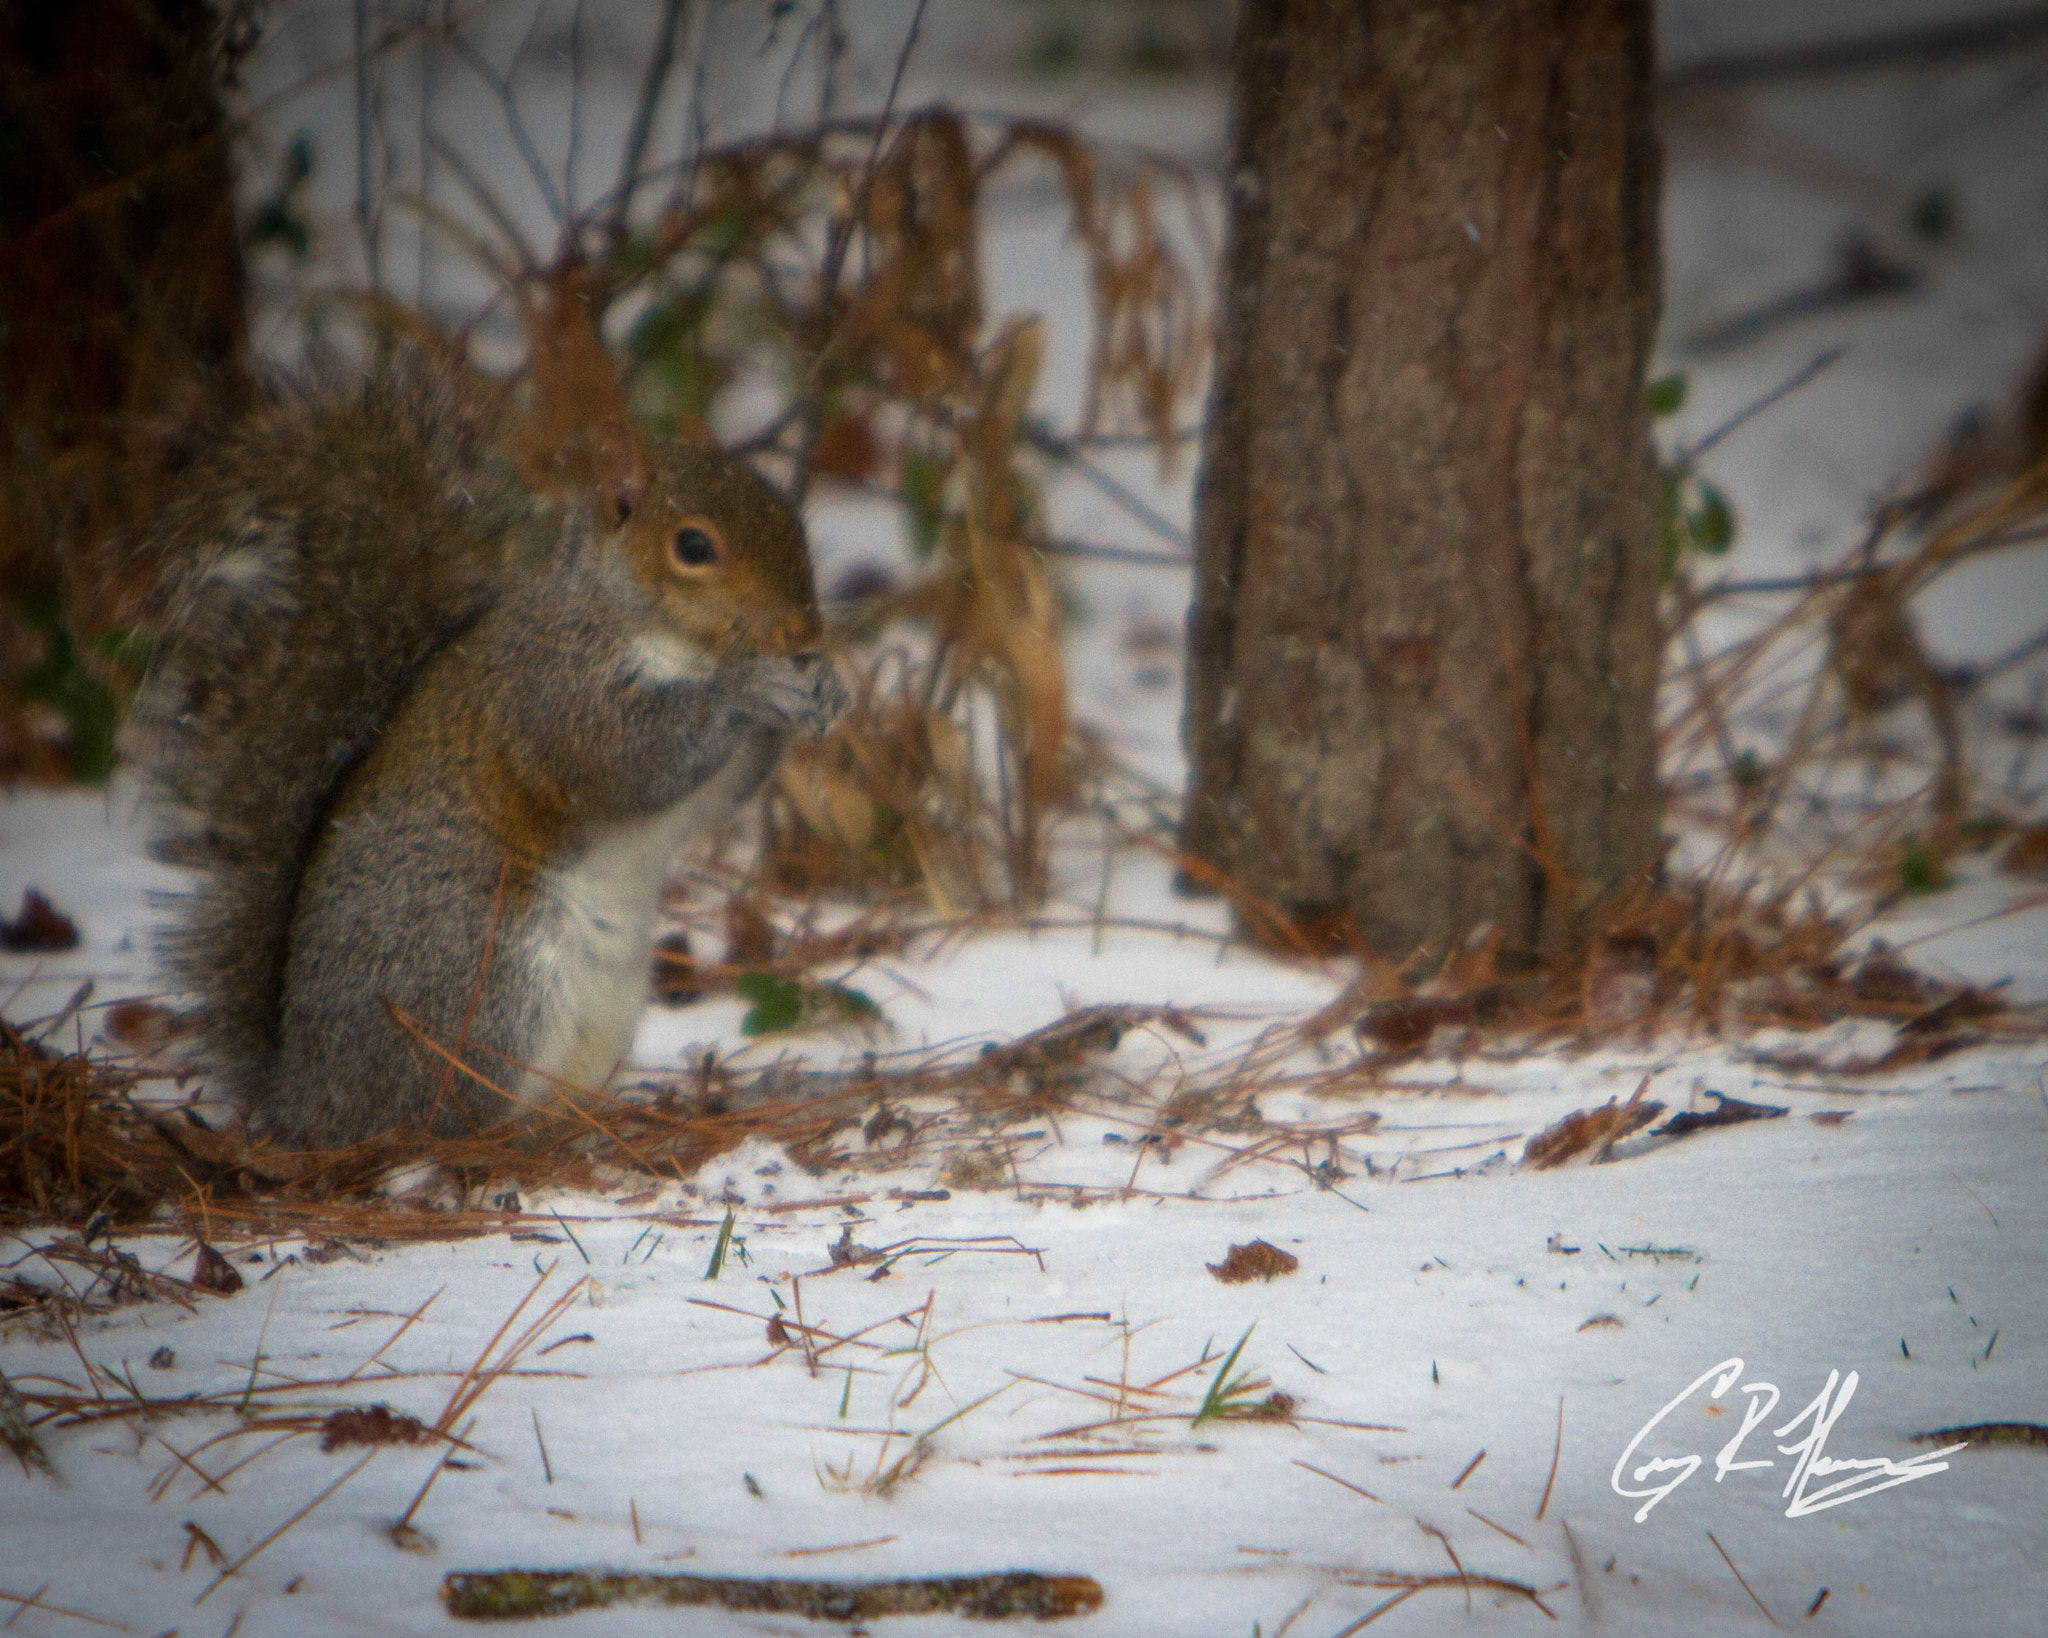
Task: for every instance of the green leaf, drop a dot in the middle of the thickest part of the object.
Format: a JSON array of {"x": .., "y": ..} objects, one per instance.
[
  {"x": 1057, "y": 49},
  {"x": 133, "y": 649},
  {"x": 1225, "y": 1388},
  {"x": 1670, "y": 542},
  {"x": 924, "y": 485},
  {"x": 1935, "y": 216},
  {"x": 778, "y": 1003},
  {"x": 852, "y": 1004},
  {"x": 280, "y": 219},
  {"x": 91, "y": 714},
  {"x": 1666, "y": 394},
  {"x": 720, "y": 1247},
  {"x": 1712, "y": 524},
  {"x": 674, "y": 374},
  {"x": 1921, "y": 869},
  {"x": 724, "y": 232}
]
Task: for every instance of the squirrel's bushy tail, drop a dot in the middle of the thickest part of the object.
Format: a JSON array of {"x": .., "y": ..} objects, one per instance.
[{"x": 307, "y": 567}]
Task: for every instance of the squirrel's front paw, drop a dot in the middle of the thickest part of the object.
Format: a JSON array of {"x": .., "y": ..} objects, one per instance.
[{"x": 803, "y": 692}]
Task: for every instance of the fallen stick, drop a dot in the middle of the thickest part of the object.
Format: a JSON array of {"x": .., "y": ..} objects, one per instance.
[{"x": 1005, "y": 1595}]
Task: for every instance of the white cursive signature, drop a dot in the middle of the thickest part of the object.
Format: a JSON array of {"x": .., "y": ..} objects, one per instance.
[{"x": 1865, "y": 1475}]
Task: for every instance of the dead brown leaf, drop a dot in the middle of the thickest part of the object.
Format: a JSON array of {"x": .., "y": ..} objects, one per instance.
[
  {"x": 40, "y": 928},
  {"x": 2027, "y": 853},
  {"x": 1594, "y": 1130},
  {"x": 213, "y": 1272},
  {"x": 1256, "y": 1260},
  {"x": 372, "y": 1425}
]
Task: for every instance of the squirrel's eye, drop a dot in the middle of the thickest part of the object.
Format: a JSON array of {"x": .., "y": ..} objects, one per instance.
[{"x": 694, "y": 548}]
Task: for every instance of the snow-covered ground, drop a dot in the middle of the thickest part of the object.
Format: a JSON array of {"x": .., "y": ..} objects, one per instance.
[{"x": 1021, "y": 1390}]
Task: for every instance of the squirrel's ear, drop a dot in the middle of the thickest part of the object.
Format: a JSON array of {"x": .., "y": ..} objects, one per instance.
[{"x": 620, "y": 468}]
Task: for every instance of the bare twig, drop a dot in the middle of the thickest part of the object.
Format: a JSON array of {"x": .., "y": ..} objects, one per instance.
[
  {"x": 1690, "y": 453},
  {"x": 652, "y": 83},
  {"x": 1063, "y": 449},
  {"x": 522, "y": 139},
  {"x": 487, "y": 200},
  {"x": 1924, "y": 43},
  {"x": 366, "y": 214}
]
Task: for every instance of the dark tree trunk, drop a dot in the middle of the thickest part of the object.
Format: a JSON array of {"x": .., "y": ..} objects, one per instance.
[
  {"x": 121, "y": 283},
  {"x": 1423, "y": 648}
]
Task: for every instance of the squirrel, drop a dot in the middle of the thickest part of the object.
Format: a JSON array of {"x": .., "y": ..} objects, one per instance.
[{"x": 430, "y": 741}]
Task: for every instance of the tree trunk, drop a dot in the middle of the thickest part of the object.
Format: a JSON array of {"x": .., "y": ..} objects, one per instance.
[
  {"x": 121, "y": 293},
  {"x": 1423, "y": 648}
]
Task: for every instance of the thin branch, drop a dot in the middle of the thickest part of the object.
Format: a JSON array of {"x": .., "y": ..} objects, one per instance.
[
  {"x": 1811, "y": 59},
  {"x": 1690, "y": 453},
  {"x": 834, "y": 48},
  {"x": 1822, "y": 579},
  {"x": 838, "y": 239},
  {"x": 251, "y": 117},
  {"x": 811, "y": 26},
  {"x": 2036, "y": 644},
  {"x": 235, "y": 1567},
  {"x": 366, "y": 216},
  {"x": 1096, "y": 551},
  {"x": 488, "y": 201},
  {"x": 575, "y": 109},
  {"x": 1060, "y": 449},
  {"x": 521, "y": 137},
  {"x": 867, "y": 181},
  {"x": 428, "y": 77},
  {"x": 652, "y": 84}
]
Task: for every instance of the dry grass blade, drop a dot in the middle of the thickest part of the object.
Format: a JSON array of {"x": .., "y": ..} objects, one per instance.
[
  {"x": 1406, "y": 1585},
  {"x": 1359, "y": 1490},
  {"x": 230, "y": 1570},
  {"x": 71, "y": 1142},
  {"x": 1746, "y": 1587},
  {"x": 485, "y": 1370},
  {"x": 1556, "y": 1451},
  {"x": 35, "y": 1601}
]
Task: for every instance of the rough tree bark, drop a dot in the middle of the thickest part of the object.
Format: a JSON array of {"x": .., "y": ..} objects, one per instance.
[
  {"x": 1423, "y": 646},
  {"x": 121, "y": 289}
]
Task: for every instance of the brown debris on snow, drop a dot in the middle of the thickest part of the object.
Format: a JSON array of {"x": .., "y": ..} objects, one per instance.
[
  {"x": 1922, "y": 1039},
  {"x": 1590, "y": 1130},
  {"x": 1726, "y": 1112},
  {"x": 142, "y": 1026},
  {"x": 372, "y": 1425},
  {"x": 71, "y": 1143},
  {"x": 40, "y": 929},
  {"x": 1254, "y": 1261},
  {"x": 213, "y": 1272}
]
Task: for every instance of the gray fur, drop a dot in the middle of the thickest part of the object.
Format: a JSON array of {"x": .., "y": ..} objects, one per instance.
[
  {"x": 260, "y": 552},
  {"x": 346, "y": 650}
]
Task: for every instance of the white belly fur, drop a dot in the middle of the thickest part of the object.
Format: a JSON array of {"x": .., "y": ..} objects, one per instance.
[{"x": 590, "y": 964}]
